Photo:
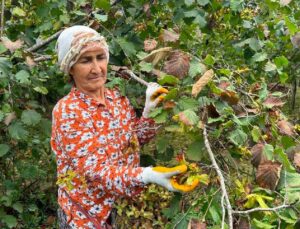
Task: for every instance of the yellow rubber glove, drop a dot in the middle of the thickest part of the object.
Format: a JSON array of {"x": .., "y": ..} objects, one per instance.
[
  {"x": 154, "y": 95},
  {"x": 163, "y": 177}
]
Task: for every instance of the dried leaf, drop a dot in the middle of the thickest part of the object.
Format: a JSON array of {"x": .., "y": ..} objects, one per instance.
[
  {"x": 9, "y": 118},
  {"x": 158, "y": 73},
  {"x": 284, "y": 2},
  {"x": 268, "y": 174},
  {"x": 224, "y": 85},
  {"x": 271, "y": 102},
  {"x": 178, "y": 64},
  {"x": 257, "y": 154},
  {"x": 156, "y": 55},
  {"x": 242, "y": 223},
  {"x": 296, "y": 40},
  {"x": 146, "y": 8},
  {"x": 204, "y": 79},
  {"x": 30, "y": 62},
  {"x": 150, "y": 44},
  {"x": 285, "y": 128},
  {"x": 297, "y": 160},
  {"x": 196, "y": 224},
  {"x": 188, "y": 117},
  {"x": 11, "y": 45},
  {"x": 230, "y": 97},
  {"x": 169, "y": 36},
  {"x": 169, "y": 104}
]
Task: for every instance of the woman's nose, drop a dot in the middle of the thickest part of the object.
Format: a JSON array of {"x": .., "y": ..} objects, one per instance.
[{"x": 96, "y": 67}]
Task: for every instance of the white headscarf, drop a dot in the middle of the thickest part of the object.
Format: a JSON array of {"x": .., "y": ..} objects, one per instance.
[{"x": 75, "y": 40}]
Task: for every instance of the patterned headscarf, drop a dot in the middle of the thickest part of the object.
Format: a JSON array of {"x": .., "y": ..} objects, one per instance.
[{"x": 76, "y": 40}]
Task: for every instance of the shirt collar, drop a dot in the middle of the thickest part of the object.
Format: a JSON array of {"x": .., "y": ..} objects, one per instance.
[{"x": 108, "y": 94}]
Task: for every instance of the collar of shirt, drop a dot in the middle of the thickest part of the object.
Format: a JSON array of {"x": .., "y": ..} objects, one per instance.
[{"x": 88, "y": 100}]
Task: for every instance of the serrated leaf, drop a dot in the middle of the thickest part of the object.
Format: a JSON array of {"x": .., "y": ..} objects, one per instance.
[
  {"x": 4, "y": 149},
  {"x": 18, "y": 207},
  {"x": 186, "y": 103},
  {"x": 18, "y": 12},
  {"x": 188, "y": 117},
  {"x": 11, "y": 45},
  {"x": 196, "y": 67},
  {"x": 41, "y": 90},
  {"x": 269, "y": 67},
  {"x": 262, "y": 225},
  {"x": 127, "y": 46},
  {"x": 168, "y": 79},
  {"x": 268, "y": 174},
  {"x": 203, "y": 2},
  {"x": 238, "y": 137},
  {"x": 145, "y": 67},
  {"x": 177, "y": 64},
  {"x": 292, "y": 27},
  {"x": 23, "y": 77},
  {"x": 236, "y": 5},
  {"x": 168, "y": 36},
  {"x": 271, "y": 102},
  {"x": 189, "y": 2},
  {"x": 150, "y": 44},
  {"x": 30, "y": 117},
  {"x": 17, "y": 131},
  {"x": 285, "y": 128},
  {"x": 209, "y": 60},
  {"x": 283, "y": 158}
]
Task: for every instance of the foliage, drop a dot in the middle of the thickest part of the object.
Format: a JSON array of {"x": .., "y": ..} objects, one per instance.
[{"x": 251, "y": 46}]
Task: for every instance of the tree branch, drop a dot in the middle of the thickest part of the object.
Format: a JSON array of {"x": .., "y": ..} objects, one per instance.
[
  {"x": 2, "y": 17},
  {"x": 47, "y": 41},
  {"x": 262, "y": 209},
  {"x": 222, "y": 180}
]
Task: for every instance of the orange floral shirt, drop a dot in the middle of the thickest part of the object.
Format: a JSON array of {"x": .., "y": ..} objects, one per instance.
[{"x": 100, "y": 145}]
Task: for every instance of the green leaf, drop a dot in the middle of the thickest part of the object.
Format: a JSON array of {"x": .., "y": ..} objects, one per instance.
[
  {"x": 281, "y": 62},
  {"x": 168, "y": 79},
  {"x": 146, "y": 67},
  {"x": 17, "y": 131},
  {"x": 4, "y": 149},
  {"x": 101, "y": 17},
  {"x": 162, "y": 117},
  {"x": 283, "y": 158},
  {"x": 172, "y": 94},
  {"x": 187, "y": 103},
  {"x": 269, "y": 67},
  {"x": 236, "y": 5},
  {"x": 18, "y": 207},
  {"x": 203, "y": 2},
  {"x": 254, "y": 44},
  {"x": 10, "y": 221},
  {"x": 191, "y": 116},
  {"x": 2, "y": 48},
  {"x": 293, "y": 28},
  {"x": 262, "y": 225},
  {"x": 162, "y": 143},
  {"x": 102, "y": 4},
  {"x": 196, "y": 68},
  {"x": 174, "y": 206},
  {"x": 30, "y": 117},
  {"x": 259, "y": 57},
  {"x": 283, "y": 77},
  {"x": 155, "y": 112},
  {"x": 23, "y": 77},
  {"x": 196, "y": 150},
  {"x": 189, "y": 2},
  {"x": 5, "y": 66},
  {"x": 209, "y": 60},
  {"x": 41, "y": 90},
  {"x": 17, "y": 11},
  {"x": 238, "y": 137},
  {"x": 127, "y": 46},
  {"x": 256, "y": 133},
  {"x": 268, "y": 151}
]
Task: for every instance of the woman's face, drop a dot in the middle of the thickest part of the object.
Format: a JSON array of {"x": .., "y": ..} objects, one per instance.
[{"x": 89, "y": 72}]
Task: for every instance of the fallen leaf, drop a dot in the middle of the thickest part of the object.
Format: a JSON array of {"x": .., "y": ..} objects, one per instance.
[
  {"x": 11, "y": 45},
  {"x": 150, "y": 44},
  {"x": 284, "y": 2},
  {"x": 30, "y": 62},
  {"x": 177, "y": 64},
  {"x": 204, "y": 79},
  {"x": 268, "y": 174},
  {"x": 230, "y": 97},
  {"x": 9, "y": 118},
  {"x": 285, "y": 128},
  {"x": 257, "y": 154},
  {"x": 169, "y": 36},
  {"x": 156, "y": 55},
  {"x": 271, "y": 102},
  {"x": 196, "y": 224}
]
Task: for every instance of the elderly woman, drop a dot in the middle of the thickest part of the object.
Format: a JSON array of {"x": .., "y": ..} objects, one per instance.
[{"x": 96, "y": 135}]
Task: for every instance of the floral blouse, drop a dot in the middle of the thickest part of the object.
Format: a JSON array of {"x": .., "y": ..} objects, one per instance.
[{"x": 97, "y": 153}]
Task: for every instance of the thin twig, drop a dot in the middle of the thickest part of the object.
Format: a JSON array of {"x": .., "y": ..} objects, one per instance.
[
  {"x": 262, "y": 209},
  {"x": 132, "y": 75},
  {"x": 222, "y": 181},
  {"x": 42, "y": 58},
  {"x": 47, "y": 41},
  {"x": 2, "y": 17}
]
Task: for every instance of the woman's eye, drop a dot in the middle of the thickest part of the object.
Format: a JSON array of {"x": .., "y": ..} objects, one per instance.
[{"x": 100, "y": 57}]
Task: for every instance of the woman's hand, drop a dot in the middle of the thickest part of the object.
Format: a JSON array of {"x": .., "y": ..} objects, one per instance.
[{"x": 154, "y": 95}]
